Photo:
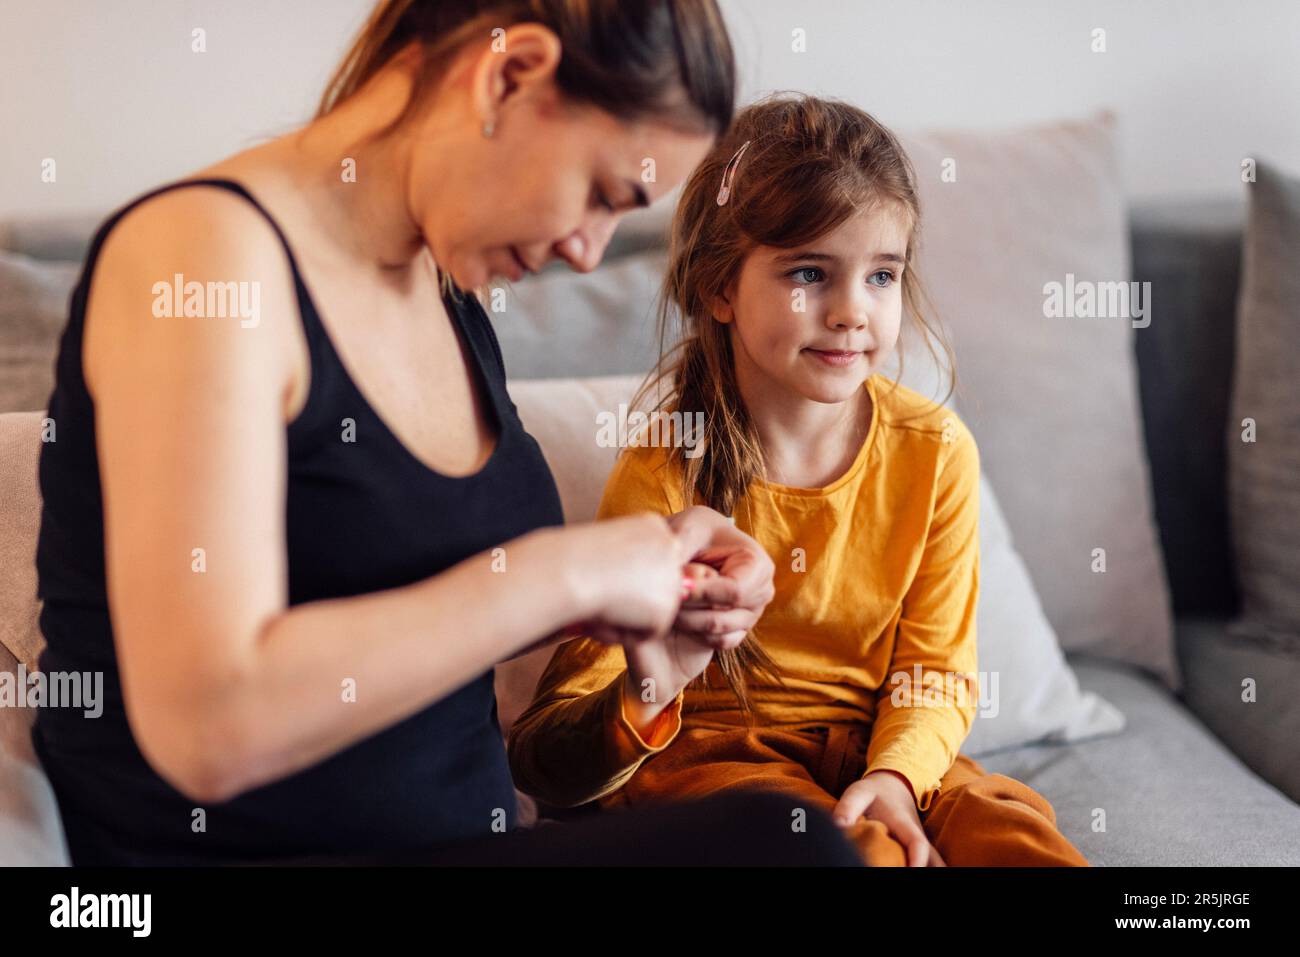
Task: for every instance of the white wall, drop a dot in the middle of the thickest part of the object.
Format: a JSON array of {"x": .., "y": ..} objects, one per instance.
[{"x": 111, "y": 90}]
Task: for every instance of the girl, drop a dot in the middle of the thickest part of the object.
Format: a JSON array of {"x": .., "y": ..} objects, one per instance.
[{"x": 792, "y": 258}]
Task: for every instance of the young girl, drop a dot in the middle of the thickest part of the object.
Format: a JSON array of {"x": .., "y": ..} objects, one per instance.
[{"x": 791, "y": 262}]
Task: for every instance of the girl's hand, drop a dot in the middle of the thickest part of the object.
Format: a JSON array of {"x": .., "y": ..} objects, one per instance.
[
  {"x": 887, "y": 797},
  {"x": 733, "y": 600},
  {"x": 668, "y": 663}
]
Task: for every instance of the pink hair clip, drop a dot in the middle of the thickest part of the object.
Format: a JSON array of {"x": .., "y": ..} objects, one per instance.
[{"x": 724, "y": 192}]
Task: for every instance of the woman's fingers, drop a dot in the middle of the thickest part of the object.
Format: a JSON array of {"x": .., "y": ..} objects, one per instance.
[
  {"x": 722, "y": 642},
  {"x": 718, "y": 592},
  {"x": 693, "y": 537},
  {"x": 706, "y": 624},
  {"x": 700, "y": 571},
  {"x": 710, "y": 538},
  {"x": 751, "y": 570},
  {"x": 731, "y": 639}
]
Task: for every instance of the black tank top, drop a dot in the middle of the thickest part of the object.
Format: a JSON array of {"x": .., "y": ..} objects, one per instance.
[{"x": 360, "y": 516}]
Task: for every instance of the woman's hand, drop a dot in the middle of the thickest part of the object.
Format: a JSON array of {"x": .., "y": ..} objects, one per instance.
[
  {"x": 628, "y": 574},
  {"x": 731, "y": 603},
  {"x": 887, "y": 797}
]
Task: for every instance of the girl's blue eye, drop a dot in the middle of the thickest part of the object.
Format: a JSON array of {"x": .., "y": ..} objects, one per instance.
[
  {"x": 804, "y": 269},
  {"x": 882, "y": 283}
]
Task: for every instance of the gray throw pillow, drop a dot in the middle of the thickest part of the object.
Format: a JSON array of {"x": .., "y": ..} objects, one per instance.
[
  {"x": 1245, "y": 681},
  {"x": 1264, "y": 428},
  {"x": 34, "y": 299}
]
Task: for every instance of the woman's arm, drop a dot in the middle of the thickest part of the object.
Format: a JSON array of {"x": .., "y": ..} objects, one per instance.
[{"x": 225, "y": 687}]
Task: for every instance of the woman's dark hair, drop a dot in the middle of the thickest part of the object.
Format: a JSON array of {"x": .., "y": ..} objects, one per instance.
[{"x": 667, "y": 59}]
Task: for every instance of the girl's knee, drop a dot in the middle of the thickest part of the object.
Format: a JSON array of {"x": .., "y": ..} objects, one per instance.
[{"x": 1003, "y": 790}]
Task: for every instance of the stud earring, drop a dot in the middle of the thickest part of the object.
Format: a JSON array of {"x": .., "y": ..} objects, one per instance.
[{"x": 489, "y": 127}]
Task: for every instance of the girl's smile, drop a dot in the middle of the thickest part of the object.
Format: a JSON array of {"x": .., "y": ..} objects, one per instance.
[{"x": 837, "y": 358}]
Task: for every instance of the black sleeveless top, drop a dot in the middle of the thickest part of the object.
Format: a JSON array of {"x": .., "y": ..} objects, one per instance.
[{"x": 360, "y": 517}]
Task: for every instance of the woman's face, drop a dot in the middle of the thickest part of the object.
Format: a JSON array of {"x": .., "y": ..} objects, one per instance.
[
  {"x": 552, "y": 181},
  {"x": 814, "y": 322}
]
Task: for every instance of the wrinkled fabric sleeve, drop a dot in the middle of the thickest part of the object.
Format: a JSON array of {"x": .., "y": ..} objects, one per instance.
[
  {"x": 574, "y": 743},
  {"x": 919, "y": 728}
]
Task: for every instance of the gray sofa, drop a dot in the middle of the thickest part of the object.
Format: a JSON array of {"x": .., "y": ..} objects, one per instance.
[
  {"x": 1185, "y": 783},
  {"x": 1181, "y": 774},
  {"x": 1190, "y": 780}
]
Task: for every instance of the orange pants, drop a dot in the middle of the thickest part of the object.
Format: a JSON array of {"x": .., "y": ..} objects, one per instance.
[{"x": 977, "y": 819}]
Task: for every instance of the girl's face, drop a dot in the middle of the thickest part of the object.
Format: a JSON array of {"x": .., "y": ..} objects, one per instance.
[
  {"x": 552, "y": 181},
  {"x": 814, "y": 322}
]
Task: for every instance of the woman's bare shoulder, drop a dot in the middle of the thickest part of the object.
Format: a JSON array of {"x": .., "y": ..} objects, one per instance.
[
  {"x": 163, "y": 252},
  {"x": 205, "y": 219}
]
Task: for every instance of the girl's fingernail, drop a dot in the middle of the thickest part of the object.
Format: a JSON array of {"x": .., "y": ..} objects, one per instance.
[{"x": 688, "y": 586}]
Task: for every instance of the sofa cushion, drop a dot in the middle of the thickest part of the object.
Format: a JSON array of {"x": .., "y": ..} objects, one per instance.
[
  {"x": 1052, "y": 402},
  {"x": 1264, "y": 455},
  {"x": 31, "y": 833},
  {"x": 1243, "y": 688},
  {"x": 33, "y": 311},
  {"x": 20, "y": 521},
  {"x": 1028, "y": 692},
  {"x": 561, "y": 415},
  {"x": 564, "y": 324},
  {"x": 1190, "y": 252},
  {"x": 1163, "y": 793},
  {"x": 55, "y": 237}
]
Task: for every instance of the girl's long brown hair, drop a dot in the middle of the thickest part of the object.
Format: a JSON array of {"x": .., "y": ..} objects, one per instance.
[
  {"x": 670, "y": 60},
  {"x": 811, "y": 164}
]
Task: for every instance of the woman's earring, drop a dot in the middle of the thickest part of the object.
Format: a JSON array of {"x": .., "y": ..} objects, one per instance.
[{"x": 489, "y": 127}]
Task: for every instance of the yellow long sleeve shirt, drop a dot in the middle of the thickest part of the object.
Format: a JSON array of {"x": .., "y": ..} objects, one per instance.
[{"x": 873, "y": 620}]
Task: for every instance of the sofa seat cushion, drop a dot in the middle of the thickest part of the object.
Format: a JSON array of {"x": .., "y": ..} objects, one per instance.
[{"x": 1172, "y": 793}]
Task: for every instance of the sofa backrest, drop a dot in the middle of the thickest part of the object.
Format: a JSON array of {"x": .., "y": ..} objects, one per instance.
[
  {"x": 1190, "y": 252},
  {"x": 1189, "y": 249}
]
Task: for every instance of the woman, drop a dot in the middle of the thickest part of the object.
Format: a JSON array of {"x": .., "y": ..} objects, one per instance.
[{"x": 317, "y": 521}]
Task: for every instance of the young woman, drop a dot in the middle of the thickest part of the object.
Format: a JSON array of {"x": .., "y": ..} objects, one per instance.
[{"x": 275, "y": 536}]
